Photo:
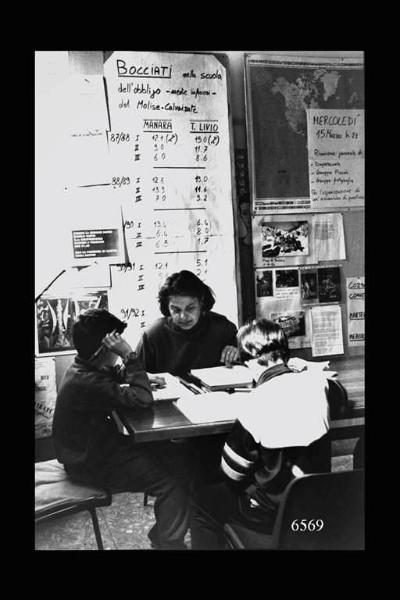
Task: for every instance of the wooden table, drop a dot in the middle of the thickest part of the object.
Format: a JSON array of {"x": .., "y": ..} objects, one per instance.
[{"x": 165, "y": 421}]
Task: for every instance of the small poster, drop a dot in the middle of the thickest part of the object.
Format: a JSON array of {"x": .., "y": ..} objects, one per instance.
[
  {"x": 355, "y": 291},
  {"x": 45, "y": 396},
  {"x": 96, "y": 243},
  {"x": 286, "y": 283},
  {"x": 94, "y": 220},
  {"x": 329, "y": 284},
  {"x": 264, "y": 283},
  {"x": 336, "y": 157},
  {"x": 309, "y": 286},
  {"x": 55, "y": 317},
  {"x": 326, "y": 330}
]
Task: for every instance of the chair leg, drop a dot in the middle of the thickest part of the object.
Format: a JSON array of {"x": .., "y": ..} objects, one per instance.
[{"x": 96, "y": 528}]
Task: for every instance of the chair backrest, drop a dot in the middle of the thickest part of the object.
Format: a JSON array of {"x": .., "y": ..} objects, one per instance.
[
  {"x": 334, "y": 499},
  {"x": 337, "y": 399}
]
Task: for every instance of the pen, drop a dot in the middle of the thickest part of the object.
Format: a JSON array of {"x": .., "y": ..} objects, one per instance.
[
  {"x": 100, "y": 348},
  {"x": 189, "y": 386}
]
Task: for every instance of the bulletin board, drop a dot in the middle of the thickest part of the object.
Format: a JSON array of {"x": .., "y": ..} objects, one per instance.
[
  {"x": 147, "y": 190},
  {"x": 305, "y": 127}
]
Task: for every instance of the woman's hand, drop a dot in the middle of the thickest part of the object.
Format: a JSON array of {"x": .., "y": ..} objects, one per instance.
[
  {"x": 116, "y": 344},
  {"x": 229, "y": 355}
]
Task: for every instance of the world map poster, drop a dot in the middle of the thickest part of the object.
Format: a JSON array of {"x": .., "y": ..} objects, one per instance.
[{"x": 281, "y": 91}]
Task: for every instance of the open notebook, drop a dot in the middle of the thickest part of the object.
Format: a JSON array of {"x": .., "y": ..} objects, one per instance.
[{"x": 222, "y": 378}]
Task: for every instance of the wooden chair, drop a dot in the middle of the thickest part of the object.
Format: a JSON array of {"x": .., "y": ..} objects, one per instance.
[
  {"x": 56, "y": 495},
  {"x": 335, "y": 498}
]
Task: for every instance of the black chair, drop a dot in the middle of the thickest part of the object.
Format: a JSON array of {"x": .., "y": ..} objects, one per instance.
[
  {"x": 337, "y": 399},
  {"x": 335, "y": 498},
  {"x": 56, "y": 495}
]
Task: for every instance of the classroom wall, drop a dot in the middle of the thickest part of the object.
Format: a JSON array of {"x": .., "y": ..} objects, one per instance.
[{"x": 91, "y": 62}]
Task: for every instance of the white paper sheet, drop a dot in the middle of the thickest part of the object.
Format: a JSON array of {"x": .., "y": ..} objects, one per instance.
[
  {"x": 173, "y": 389},
  {"x": 326, "y": 326},
  {"x": 213, "y": 407},
  {"x": 328, "y": 237},
  {"x": 336, "y": 157}
]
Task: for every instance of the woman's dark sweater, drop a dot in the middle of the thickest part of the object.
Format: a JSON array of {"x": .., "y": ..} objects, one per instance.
[{"x": 164, "y": 347}]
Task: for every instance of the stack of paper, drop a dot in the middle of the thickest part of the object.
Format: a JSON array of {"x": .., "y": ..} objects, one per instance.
[{"x": 222, "y": 378}]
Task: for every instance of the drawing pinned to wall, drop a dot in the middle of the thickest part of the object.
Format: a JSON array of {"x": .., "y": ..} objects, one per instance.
[
  {"x": 329, "y": 289},
  {"x": 55, "y": 317}
]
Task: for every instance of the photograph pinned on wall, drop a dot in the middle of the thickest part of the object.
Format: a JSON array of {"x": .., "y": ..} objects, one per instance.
[
  {"x": 286, "y": 283},
  {"x": 264, "y": 284},
  {"x": 288, "y": 238},
  {"x": 292, "y": 322},
  {"x": 309, "y": 285},
  {"x": 55, "y": 316},
  {"x": 329, "y": 284}
]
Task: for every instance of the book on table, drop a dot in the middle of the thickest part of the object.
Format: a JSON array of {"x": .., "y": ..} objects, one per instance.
[{"x": 223, "y": 378}]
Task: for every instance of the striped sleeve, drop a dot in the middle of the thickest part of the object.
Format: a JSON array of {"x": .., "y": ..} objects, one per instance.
[{"x": 239, "y": 454}]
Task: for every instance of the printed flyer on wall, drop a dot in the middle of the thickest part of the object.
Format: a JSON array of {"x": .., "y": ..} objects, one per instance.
[
  {"x": 327, "y": 334},
  {"x": 45, "y": 395},
  {"x": 355, "y": 292}
]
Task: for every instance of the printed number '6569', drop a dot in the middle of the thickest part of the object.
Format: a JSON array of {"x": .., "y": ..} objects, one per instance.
[{"x": 304, "y": 524}]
